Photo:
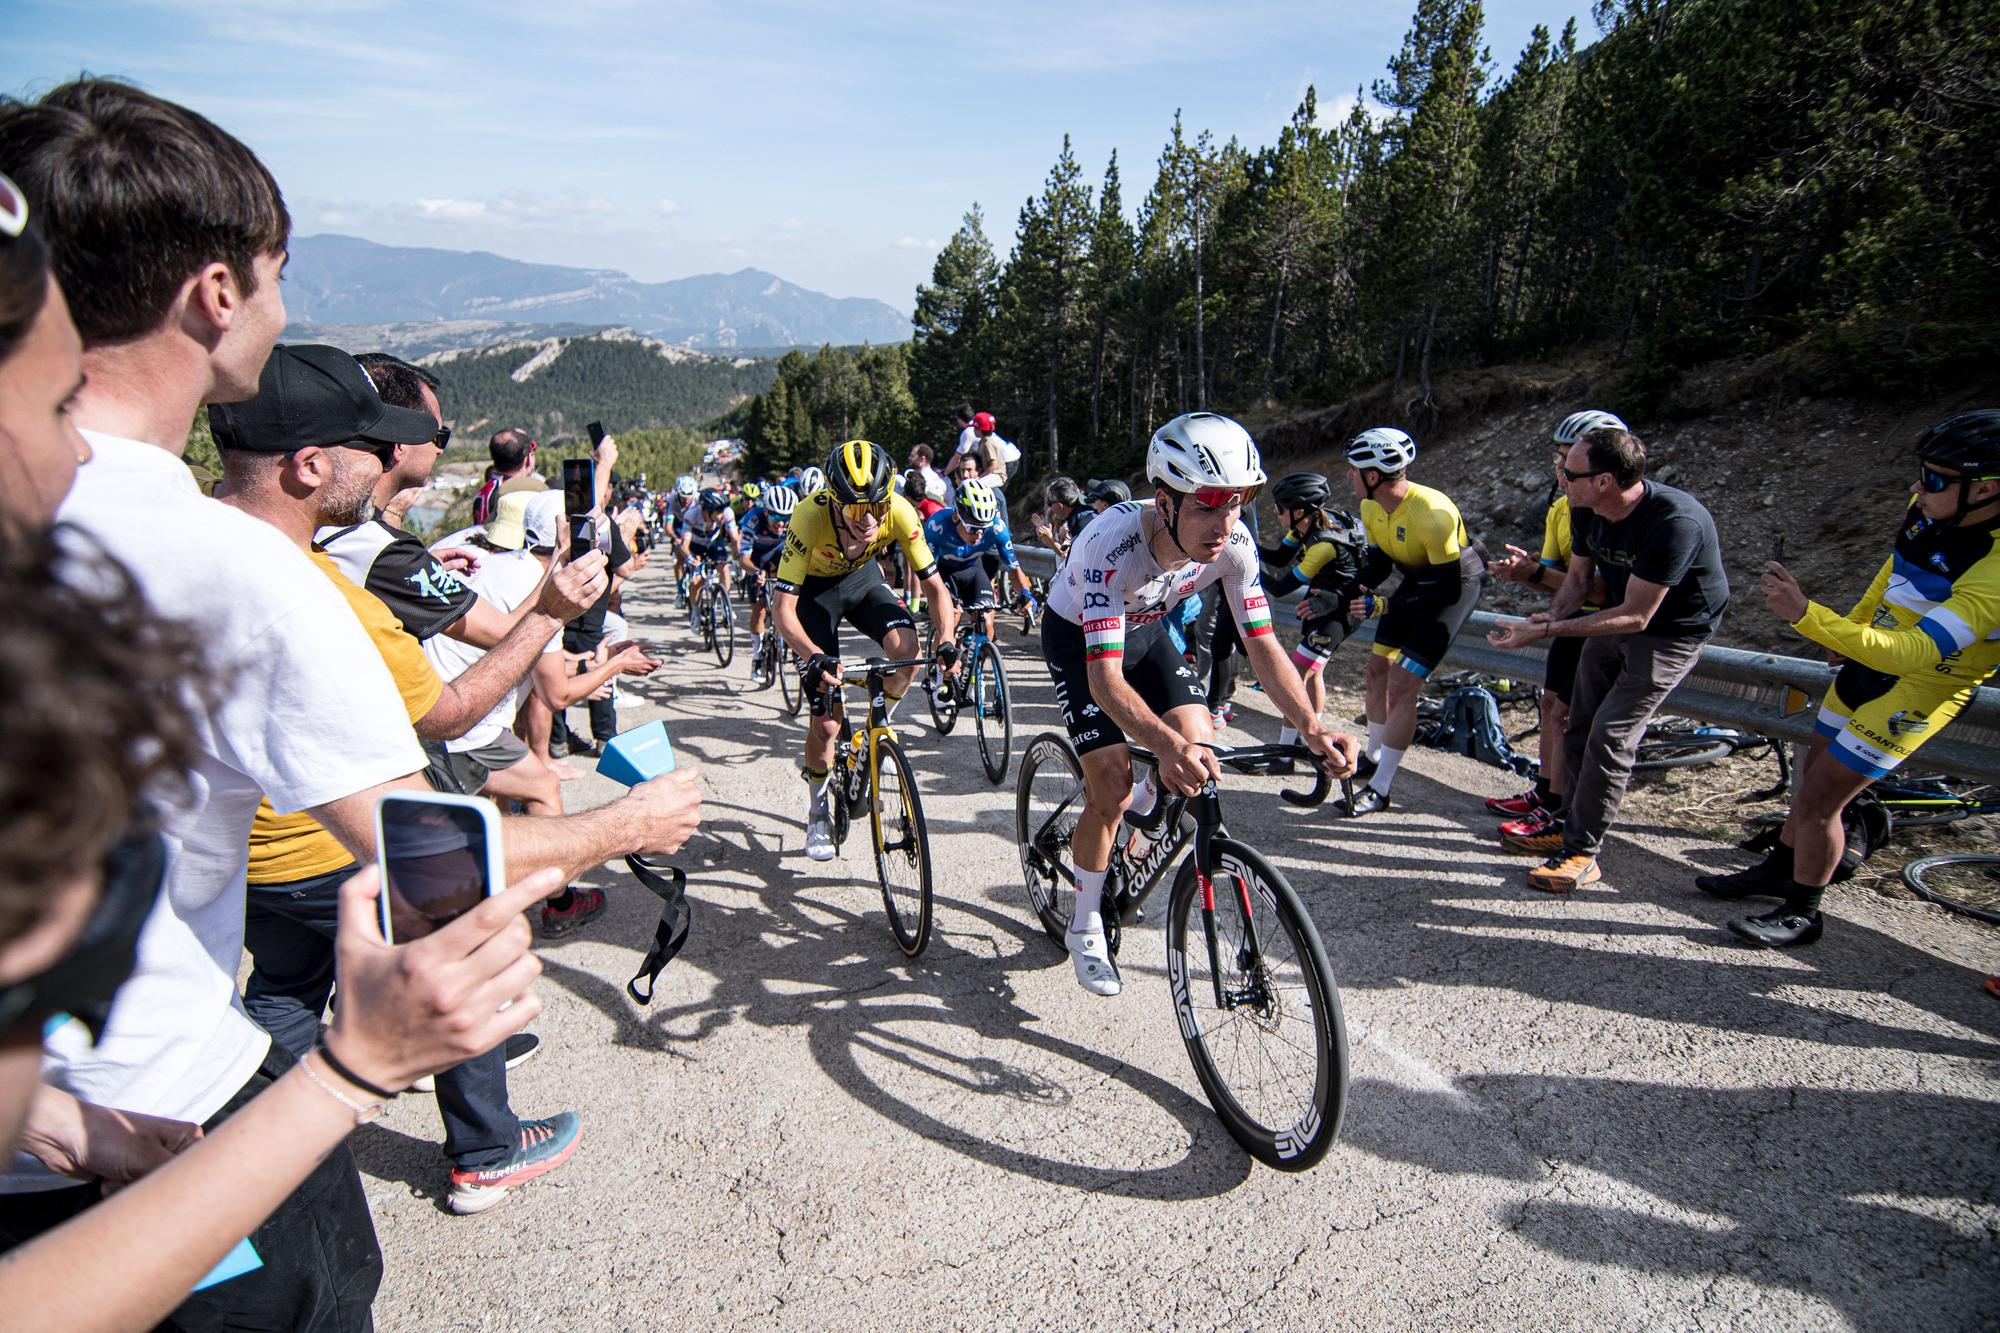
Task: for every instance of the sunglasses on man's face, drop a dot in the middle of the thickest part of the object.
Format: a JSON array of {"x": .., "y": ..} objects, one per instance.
[
  {"x": 443, "y": 437},
  {"x": 1935, "y": 482},
  {"x": 863, "y": 513},
  {"x": 1579, "y": 476}
]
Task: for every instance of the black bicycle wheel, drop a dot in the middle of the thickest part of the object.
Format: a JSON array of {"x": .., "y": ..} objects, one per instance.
[
  {"x": 1949, "y": 880},
  {"x": 942, "y": 693},
  {"x": 902, "y": 847},
  {"x": 991, "y": 713},
  {"x": 1667, "y": 752},
  {"x": 1272, "y": 1056},
  {"x": 1048, "y": 798},
  {"x": 704, "y": 615},
  {"x": 723, "y": 617},
  {"x": 785, "y": 668}
]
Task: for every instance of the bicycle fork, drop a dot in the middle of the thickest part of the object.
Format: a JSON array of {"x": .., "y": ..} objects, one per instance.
[{"x": 1207, "y": 810}]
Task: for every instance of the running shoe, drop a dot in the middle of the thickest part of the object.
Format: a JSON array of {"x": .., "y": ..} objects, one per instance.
[
  {"x": 1515, "y": 806},
  {"x": 544, "y": 1146},
  {"x": 1564, "y": 874},
  {"x": 1539, "y": 833},
  {"x": 585, "y": 905},
  {"x": 1220, "y": 716}
]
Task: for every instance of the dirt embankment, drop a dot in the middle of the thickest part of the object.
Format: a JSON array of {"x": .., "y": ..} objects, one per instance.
[{"x": 1831, "y": 474}]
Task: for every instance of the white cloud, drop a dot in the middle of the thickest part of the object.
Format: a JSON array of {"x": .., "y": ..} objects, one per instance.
[
  {"x": 1332, "y": 115},
  {"x": 511, "y": 207},
  {"x": 665, "y": 208},
  {"x": 912, "y": 243}
]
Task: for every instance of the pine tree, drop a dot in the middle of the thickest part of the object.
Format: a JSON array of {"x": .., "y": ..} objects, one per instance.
[
  {"x": 1041, "y": 322},
  {"x": 951, "y": 319}
]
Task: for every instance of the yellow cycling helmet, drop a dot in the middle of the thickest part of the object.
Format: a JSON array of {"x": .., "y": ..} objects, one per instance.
[{"x": 857, "y": 472}]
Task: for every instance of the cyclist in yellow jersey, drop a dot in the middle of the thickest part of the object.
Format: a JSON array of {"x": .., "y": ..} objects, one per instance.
[
  {"x": 828, "y": 574},
  {"x": 1416, "y": 532},
  {"x": 1532, "y": 823},
  {"x": 1913, "y": 650}
]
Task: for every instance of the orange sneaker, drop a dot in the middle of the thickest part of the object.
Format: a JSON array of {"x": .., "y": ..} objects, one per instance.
[{"x": 1564, "y": 874}]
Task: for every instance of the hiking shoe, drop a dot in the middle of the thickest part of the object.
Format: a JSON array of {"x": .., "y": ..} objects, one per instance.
[
  {"x": 584, "y": 906},
  {"x": 1753, "y": 881},
  {"x": 1515, "y": 806},
  {"x": 1090, "y": 955},
  {"x": 545, "y": 1145},
  {"x": 1781, "y": 928},
  {"x": 1539, "y": 833},
  {"x": 1365, "y": 801},
  {"x": 521, "y": 1048},
  {"x": 819, "y": 830},
  {"x": 1564, "y": 873}
]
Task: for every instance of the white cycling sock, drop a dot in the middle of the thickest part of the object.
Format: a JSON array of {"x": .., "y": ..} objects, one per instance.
[
  {"x": 1145, "y": 796},
  {"x": 1385, "y": 769},
  {"x": 1288, "y": 735},
  {"x": 1372, "y": 751},
  {"x": 1089, "y": 901}
]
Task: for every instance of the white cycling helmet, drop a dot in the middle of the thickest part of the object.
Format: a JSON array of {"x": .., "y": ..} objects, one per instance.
[
  {"x": 685, "y": 488},
  {"x": 1203, "y": 449},
  {"x": 811, "y": 479},
  {"x": 780, "y": 501},
  {"x": 1578, "y": 424},
  {"x": 1383, "y": 448},
  {"x": 976, "y": 504}
]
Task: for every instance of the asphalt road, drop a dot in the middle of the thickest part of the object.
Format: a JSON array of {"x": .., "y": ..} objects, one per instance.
[{"x": 1594, "y": 1113}]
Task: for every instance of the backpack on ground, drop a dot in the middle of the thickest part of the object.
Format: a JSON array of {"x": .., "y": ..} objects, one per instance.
[{"x": 1469, "y": 724}]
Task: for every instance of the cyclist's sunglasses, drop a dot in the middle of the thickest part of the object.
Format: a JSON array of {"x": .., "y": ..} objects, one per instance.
[
  {"x": 877, "y": 511},
  {"x": 84, "y": 981},
  {"x": 13, "y": 209},
  {"x": 1221, "y": 497},
  {"x": 1936, "y": 483}
]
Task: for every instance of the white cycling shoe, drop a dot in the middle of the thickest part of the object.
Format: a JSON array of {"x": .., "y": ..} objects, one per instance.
[
  {"x": 1090, "y": 955},
  {"x": 819, "y": 832}
]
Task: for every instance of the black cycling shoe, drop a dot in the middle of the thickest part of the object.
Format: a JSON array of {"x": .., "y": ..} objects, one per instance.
[
  {"x": 1755, "y": 881},
  {"x": 1366, "y": 801},
  {"x": 1779, "y": 929},
  {"x": 1364, "y": 768}
]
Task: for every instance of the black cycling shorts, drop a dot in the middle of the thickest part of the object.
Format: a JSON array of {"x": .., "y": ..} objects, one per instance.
[
  {"x": 710, "y": 547},
  {"x": 1564, "y": 654},
  {"x": 859, "y": 598},
  {"x": 973, "y": 587},
  {"x": 1418, "y": 636},
  {"x": 1153, "y": 668}
]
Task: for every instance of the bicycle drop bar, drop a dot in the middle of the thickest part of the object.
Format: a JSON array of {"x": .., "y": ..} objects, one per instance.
[{"x": 1242, "y": 758}]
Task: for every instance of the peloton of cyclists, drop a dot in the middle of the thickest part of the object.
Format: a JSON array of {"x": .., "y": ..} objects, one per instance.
[
  {"x": 763, "y": 532},
  {"x": 962, "y": 538},
  {"x": 704, "y": 531}
]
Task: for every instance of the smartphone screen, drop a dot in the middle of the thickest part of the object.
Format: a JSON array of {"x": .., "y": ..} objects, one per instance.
[
  {"x": 597, "y": 436},
  {"x": 579, "y": 498},
  {"x": 435, "y": 864}
]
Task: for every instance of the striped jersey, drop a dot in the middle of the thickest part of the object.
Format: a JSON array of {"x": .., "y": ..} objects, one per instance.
[
  {"x": 1111, "y": 581},
  {"x": 1934, "y": 606}
]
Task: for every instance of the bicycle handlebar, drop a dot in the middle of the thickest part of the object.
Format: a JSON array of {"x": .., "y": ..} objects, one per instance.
[{"x": 1242, "y": 758}]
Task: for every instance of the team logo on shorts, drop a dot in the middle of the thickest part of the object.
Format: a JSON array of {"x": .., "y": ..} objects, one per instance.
[{"x": 1908, "y": 722}]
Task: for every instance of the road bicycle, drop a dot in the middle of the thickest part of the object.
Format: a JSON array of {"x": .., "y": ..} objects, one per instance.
[
  {"x": 1253, "y": 992},
  {"x": 980, "y": 687},
  {"x": 871, "y": 774},
  {"x": 713, "y": 616},
  {"x": 781, "y": 664}
]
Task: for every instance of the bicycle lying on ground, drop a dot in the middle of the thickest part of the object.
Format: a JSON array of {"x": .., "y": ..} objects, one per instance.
[
  {"x": 980, "y": 687},
  {"x": 1253, "y": 992},
  {"x": 871, "y": 774}
]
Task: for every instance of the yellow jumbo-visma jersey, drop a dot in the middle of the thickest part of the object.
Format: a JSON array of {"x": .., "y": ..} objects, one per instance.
[
  {"x": 1425, "y": 530},
  {"x": 812, "y": 548}
]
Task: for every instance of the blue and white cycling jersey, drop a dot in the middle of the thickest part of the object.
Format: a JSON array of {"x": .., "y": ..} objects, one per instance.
[
  {"x": 955, "y": 554},
  {"x": 763, "y": 535}
]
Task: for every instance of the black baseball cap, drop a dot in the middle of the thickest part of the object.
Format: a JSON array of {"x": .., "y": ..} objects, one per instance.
[{"x": 315, "y": 397}]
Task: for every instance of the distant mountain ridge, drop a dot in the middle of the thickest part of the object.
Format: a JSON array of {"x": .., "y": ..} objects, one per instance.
[{"x": 344, "y": 280}]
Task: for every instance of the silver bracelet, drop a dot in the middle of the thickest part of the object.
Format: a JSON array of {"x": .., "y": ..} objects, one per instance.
[{"x": 364, "y": 1112}]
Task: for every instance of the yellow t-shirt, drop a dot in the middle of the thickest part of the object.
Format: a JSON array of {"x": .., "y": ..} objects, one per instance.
[
  {"x": 812, "y": 548},
  {"x": 286, "y": 848}
]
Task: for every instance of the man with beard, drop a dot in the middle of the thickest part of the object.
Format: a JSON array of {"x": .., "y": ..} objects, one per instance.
[{"x": 306, "y": 454}]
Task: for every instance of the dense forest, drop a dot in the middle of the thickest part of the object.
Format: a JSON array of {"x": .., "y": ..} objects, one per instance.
[
  {"x": 1710, "y": 179},
  {"x": 621, "y": 381}
]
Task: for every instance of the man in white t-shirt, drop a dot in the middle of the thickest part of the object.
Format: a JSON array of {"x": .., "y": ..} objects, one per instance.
[{"x": 165, "y": 330}]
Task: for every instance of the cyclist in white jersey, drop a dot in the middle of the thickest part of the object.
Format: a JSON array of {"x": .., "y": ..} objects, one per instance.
[{"x": 1117, "y": 673}]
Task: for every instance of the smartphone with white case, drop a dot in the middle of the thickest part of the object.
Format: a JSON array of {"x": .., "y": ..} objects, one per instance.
[{"x": 440, "y": 855}]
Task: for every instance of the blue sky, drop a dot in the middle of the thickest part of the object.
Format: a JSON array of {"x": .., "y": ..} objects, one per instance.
[{"x": 833, "y": 144}]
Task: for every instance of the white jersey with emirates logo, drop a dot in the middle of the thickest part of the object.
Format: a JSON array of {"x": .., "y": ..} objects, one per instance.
[{"x": 1111, "y": 581}]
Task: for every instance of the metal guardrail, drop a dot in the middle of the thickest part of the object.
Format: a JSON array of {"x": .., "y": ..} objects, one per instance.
[{"x": 1761, "y": 692}]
